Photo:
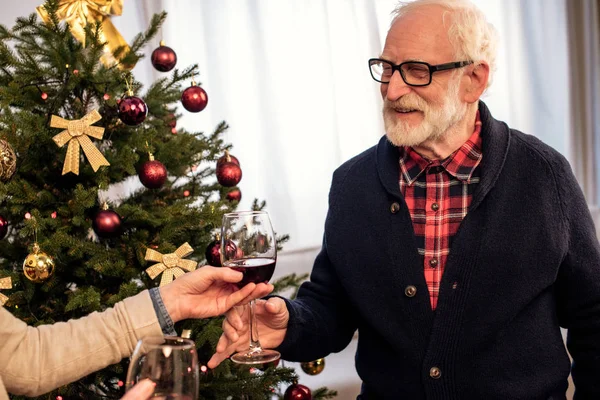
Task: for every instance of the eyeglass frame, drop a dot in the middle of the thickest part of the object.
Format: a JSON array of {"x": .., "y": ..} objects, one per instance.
[{"x": 432, "y": 69}]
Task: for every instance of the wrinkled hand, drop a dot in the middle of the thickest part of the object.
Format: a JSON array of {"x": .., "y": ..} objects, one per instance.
[
  {"x": 142, "y": 390},
  {"x": 208, "y": 292},
  {"x": 272, "y": 318}
]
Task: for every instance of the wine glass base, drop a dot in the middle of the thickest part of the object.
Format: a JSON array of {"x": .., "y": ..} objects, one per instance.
[{"x": 262, "y": 357}]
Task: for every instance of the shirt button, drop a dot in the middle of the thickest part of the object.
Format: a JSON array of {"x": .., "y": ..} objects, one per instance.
[
  {"x": 435, "y": 373},
  {"x": 410, "y": 291},
  {"x": 435, "y": 206},
  {"x": 395, "y": 207},
  {"x": 433, "y": 262}
]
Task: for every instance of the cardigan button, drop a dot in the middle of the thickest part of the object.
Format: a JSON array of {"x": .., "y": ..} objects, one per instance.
[
  {"x": 395, "y": 207},
  {"x": 410, "y": 291},
  {"x": 435, "y": 373}
]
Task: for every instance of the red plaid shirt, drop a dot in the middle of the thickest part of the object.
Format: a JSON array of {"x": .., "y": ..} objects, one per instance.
[{"x": 438, "y": 195}]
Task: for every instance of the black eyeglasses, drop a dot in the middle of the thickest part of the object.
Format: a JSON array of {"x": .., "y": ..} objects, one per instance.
[{"x": 413, "y": 73}]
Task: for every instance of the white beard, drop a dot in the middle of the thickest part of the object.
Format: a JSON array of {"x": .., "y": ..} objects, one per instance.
[{"x": 437, "y": 120}]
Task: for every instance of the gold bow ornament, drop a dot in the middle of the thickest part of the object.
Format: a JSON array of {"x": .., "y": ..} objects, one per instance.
[
  {"x": 171, "y": 265},
  {"x": 79, "y": 13},
  {"x": 5, "y": 283},
  {"x": 76, "y": 134}
]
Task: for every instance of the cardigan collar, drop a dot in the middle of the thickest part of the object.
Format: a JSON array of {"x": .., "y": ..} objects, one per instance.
[{"x": 495, "y": 137}]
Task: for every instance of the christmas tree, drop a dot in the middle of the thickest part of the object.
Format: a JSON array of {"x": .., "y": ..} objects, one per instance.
[{"x": 73, "y": 123}]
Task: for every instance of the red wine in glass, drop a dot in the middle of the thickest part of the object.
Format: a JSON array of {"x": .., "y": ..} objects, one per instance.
[
  {"x": 249, "y": 245},
  {"x": 255, "y": 270}
]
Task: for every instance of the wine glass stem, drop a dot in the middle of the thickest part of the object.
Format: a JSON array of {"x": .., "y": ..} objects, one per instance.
[{"x": 254, "y": 343}]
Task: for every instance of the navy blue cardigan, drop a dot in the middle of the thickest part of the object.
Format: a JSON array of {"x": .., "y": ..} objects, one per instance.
[{"x": 524, "y": 262}]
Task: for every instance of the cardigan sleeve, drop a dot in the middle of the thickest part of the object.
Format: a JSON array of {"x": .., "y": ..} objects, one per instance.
[
  {"x": 322, "y": 320},
  {"x": 578, "y": 287},
  {"x": 34, "y": 361}
]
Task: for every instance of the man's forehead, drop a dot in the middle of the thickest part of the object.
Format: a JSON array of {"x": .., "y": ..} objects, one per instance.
[{"x": 418, "y": 35}]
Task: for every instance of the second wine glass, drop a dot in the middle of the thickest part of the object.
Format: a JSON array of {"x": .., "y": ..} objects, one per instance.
[
  {"x": 248, "y": 245},
  {"x": 168, "y": 361}
]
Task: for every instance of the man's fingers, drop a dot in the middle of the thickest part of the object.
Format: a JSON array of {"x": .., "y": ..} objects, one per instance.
[
  {"x": 141, "y": 391},
  {"x": 275, "y": 305},
  {"x": 230, "y": 332},
  {"x": 234, "y": 317},
  {"x": 239, "y": 296},
  {"x": 223, "y": 274},
  {"x": 222, "y": 343},
  {"x": 261, "y": 290},
  {"x": 219, "y": 356}
]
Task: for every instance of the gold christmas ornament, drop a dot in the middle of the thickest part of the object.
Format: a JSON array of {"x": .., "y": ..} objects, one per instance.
[
  {"x": 38, "y": 266},
  {"x": 8, "y": 161},
  {"x": 79, "y": 13},
  {"x": 76, "y": 134},
  {"x": 313, "y": 367},
  {"x": 170, "y": 265},
  {"x": 5, "y": 283}
]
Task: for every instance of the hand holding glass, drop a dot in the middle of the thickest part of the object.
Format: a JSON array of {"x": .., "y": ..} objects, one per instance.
[
  {"x": 170, "y": 362},
  {"x": 248, "y": 245}
]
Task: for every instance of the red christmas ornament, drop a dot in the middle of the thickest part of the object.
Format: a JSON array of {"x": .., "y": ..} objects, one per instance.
[
  {"x": 194, "y": 98},
  {"x": 106, "y": 96},
  {"x": 234, "y": 195},
  {"x": 3, "y": 227},
  {"x": 186, "y": 193},
  {"x": 229, "y": 174},
  {"x": 213, "y": 252},
  {"x": 44, "y": 96},
  {"x": 152, "y": 173},
  {"x": 297, "y": 392},
  {"x": 163, "y": 58},
  {"x": 132, "y": 110},
  {"x": 107, "y": 223},
  {"x": 227, "y": 158}
]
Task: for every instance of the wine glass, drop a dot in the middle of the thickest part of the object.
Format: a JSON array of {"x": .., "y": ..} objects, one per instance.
[
  {"x": 248, "y": 245},
  {"x": 170, "y": 362}
]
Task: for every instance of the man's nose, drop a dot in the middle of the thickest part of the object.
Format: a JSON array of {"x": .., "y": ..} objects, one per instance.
[{"x": 396, "y": 87}]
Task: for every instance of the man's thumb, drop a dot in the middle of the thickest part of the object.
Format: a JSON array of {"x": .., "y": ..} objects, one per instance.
[{"x": 275, "y": 305}]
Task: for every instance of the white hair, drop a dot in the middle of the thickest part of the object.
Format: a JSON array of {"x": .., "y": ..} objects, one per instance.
[{"x": 472, "y": 36}]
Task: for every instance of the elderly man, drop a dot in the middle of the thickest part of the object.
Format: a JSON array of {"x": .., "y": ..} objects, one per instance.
[{"x": 457, "y": 247}]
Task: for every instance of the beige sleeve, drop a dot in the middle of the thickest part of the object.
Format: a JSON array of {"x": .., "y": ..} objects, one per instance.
[{"x": 34, "y": 361}]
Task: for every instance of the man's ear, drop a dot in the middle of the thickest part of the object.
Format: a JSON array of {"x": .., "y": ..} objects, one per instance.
[{"x": 477, "y": 81}]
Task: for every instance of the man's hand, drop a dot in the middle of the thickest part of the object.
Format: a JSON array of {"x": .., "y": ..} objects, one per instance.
[
  {"x": 272, "y": 318},
  {"x": 207, "y": 292},
  {"x": 140, "y": 391}
]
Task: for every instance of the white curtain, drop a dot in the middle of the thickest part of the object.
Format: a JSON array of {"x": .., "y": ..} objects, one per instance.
[
  {"x": 290, "y": 77},
  {"x": 584, "y": 51}
]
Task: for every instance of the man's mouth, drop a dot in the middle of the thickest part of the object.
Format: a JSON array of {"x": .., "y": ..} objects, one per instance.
[{"x": 405, "y": 110}]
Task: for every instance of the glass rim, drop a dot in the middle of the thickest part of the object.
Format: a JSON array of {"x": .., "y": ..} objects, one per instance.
[
  {"x": 245, "y": 213},
  {"x": 175, "y": 342}
]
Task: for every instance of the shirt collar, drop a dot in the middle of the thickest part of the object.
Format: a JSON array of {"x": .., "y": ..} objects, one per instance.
[{"x": 461, "y": 164}]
